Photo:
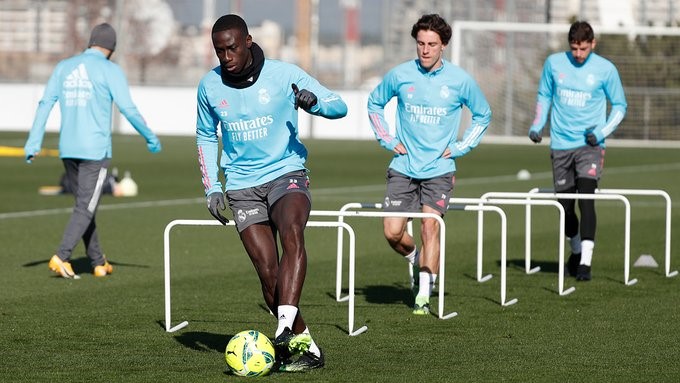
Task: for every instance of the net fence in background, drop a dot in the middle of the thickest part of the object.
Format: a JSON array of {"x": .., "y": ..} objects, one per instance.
[{"x": 507, "y": 59}]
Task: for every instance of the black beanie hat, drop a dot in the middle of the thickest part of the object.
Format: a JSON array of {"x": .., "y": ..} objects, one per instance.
[{"x": 103, "y": 35}]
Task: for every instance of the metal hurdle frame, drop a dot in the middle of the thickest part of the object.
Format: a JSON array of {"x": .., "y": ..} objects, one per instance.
[
  {"x": 576, "y": 196},
  {"x": 200, "y": 222},
  {"x": 508, "y": 201},
  {"x": 442, "y": 246},
  {"x": 338, "y": 276},
  {"x": 442, "y": 268},
  {"x": 504, "y": 245},
  {"x": 638, "y": 192}
]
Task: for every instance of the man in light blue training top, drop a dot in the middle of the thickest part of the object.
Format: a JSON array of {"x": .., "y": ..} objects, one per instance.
[
  {"x": 85, "y": 86},
  {"x": 577, "y": 84},
  {"x": 254, "y": 101},
  {"x": 431, "y": 93}
]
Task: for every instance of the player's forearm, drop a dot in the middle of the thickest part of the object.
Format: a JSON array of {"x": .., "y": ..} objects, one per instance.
[
  {"x": 138, "y": 123},
  {"x": 381, "y": 131},
  {"x": 615, "y": 117},
  {"x": 541, "y": 115},
  {"x": 471, "y": 138},
  {"x": 331, "y": 107},
  {"x": 207, "y": 160}
]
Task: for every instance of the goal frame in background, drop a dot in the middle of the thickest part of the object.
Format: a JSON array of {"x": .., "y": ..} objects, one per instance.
[{"x": 506, "y": 102}]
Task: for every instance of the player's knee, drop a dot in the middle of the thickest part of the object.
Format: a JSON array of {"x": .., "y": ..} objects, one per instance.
[
  {"x": 84, "y": 211},
  {"x": 586, "y": 185},
  {"x": 293, "y": 232},
  {"x": 394, "y": 232},
  {"x": 568, "y": 206},
  {"x": 268, "y": 274},
  {"x": 292, "y": 241},
  {"x": 393, "y": 237}
]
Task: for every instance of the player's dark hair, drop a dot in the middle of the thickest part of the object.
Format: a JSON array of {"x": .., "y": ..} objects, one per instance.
[
  {"x": 230, "y": 21},
  {"x": 581, "y": 31},
  {"x": 435, "y": 23}
]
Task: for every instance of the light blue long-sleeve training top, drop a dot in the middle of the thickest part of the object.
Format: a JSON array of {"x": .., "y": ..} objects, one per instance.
[
  {"x": 578, "y": 94},
  {"x": 258, "y": 125},
  {"x": 429, "y": 106},
  {"x": 85, "y": 86}
]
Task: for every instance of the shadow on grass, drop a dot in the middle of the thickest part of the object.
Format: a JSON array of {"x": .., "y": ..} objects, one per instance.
[
  {"x": 203, "y": 341},
  {"x": 380, "y": 294},
  {"x": 384, "y": 294},
  {"x": 546, "y": 266},
  {"x": 387, "y": 294},
  {"x": 470, "y": 276}
]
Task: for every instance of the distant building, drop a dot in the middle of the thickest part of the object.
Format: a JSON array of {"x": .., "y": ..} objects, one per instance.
[
  {"x": 35, "y": 34},
  {"x": 31, "y": 26}
]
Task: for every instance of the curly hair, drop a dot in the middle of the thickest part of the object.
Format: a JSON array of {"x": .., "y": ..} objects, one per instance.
[{"x": 435, "y": 23}]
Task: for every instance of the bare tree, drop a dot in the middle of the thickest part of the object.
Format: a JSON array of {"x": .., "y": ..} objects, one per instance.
[{"x": 149, "y": 26}]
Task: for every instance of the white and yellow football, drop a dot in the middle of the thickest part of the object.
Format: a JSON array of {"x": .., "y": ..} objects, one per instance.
[{"x": 250, "y": 353}]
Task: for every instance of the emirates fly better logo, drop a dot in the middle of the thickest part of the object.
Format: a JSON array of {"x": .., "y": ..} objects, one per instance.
[{"x": 427, "y": 115}]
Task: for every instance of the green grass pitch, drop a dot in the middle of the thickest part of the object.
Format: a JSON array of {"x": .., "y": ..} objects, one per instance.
[{"x": 112, "y": 329}]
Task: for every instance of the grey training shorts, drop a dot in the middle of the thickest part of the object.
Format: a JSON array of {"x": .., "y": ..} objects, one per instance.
[
  {"x": 406, "y": 194},
  {"x": 583, "y": 162},
  {"x": 251, "y": 205}
]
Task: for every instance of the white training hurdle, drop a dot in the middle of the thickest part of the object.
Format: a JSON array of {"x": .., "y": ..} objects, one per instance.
[
  {"x": 504, "y": 246},
  {"x": 442, "y": 245},
  {"x": 442, "y": 265},
  {"x": 509, "y": 201},
  {"x": 641, "y": 192},
  {"x": 562, "y": 291},
  {"x": 576, "y": 196},
  {"x": 201, "y": 222}
]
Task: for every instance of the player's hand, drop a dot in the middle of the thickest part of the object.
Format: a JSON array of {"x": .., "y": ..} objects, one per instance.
[
  {"x": 452, "y": 152},
  {"x": 303, "y": 98},
  {"x": 400, "y": 149},
  {"x": 30, "y": 154},
  {"x": 215, "y": 204},
  {"x": 154, "y": 145},
  {"x": 535, "y": 136},
  {"x": 591, "y": 139},
  {"x": 447, "y": 153}
]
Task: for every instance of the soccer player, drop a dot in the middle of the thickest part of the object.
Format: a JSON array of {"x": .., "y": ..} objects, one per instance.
[
  {"x": 255, "y": 102},
  {"x": 431, "y": 93},
  {"x": 85, "y": 86},
  {"x": 578, "y": 83}
]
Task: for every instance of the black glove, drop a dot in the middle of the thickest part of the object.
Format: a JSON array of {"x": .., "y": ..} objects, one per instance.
[
  {"x": 303, "y": 98},
  {"x": 591, "y": 139},
  {"x": 215, "y": 204},
  {"x": 535, "y": 136}
]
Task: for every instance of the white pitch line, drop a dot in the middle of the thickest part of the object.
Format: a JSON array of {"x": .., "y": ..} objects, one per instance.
[
  {"x": 117, "y": 206},
  {"x": 339, "y": 191}
]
